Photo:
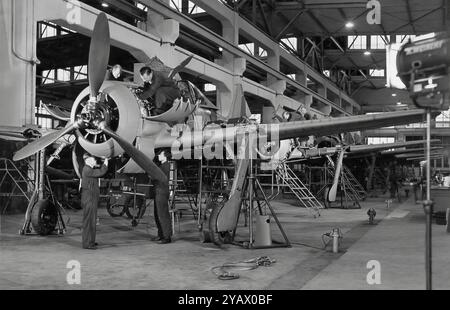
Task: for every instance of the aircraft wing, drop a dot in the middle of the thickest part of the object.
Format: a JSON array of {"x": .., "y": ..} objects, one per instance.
[
  {"x": 283, "y": 131},
  {"x": 354, "y": 149},
  {"x": 12, "y": 133},
  {"x": 386, "y": 146},
  {"x": 327, "y": 126},
  {"x": 434, "y": 153},
  {"x": 406, "y": 151}
]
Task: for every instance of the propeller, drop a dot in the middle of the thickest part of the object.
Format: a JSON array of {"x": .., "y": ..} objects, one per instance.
[
  {"x": 140, "y": 158},
  {"x": 43, "y": 142},
  {"x": 98, "y": 55},
  {"x": 337, "y": 174},
  {"x": 180, "y": 67},
  {"x": 98, "y": 61},
  {"x": 97, "y": 66}
]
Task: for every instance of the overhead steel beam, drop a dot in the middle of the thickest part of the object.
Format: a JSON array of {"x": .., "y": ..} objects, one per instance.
[
  {"x": 352, "y": 19},
  {"x": 128, "y": 8},
  {"x": 295, "y": 5},
  {"x": 208, "y": 34},
  {"x": 291, "y": 58},
  {"x": 241, "y": 4},
  {"x": 417, "y": 19},
  {"x": 408, "y": 10},
  {"x": 289, "y": 24},
  {"x": 338, "y": 45},
  {"x": 263, "y": 14},
  {"x": 318, "y": 22}
]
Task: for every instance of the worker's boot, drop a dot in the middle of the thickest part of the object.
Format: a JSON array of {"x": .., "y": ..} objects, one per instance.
[{"x": 165, "y": 240}]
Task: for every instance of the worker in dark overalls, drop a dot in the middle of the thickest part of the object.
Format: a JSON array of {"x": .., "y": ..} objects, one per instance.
[
  {"x": 158, "y": 88},
  {"x": 161, "y": 207},
  {"x": 90, "y": 192}
]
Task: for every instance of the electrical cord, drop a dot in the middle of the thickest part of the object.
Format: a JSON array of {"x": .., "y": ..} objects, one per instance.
[{"x": 223, "y": 273}]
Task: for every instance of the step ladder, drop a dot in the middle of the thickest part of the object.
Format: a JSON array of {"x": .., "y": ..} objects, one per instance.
[
  {"x": 355, "y": 184},
  {"x": 303, "y": 194}
]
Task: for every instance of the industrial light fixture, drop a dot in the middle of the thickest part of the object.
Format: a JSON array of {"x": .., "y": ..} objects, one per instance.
[
  {"x": 349, "y": 25},
  {"x": 367, "y": 53},
  {"x": 105, "y": 5},
  {"x": 394, "y": 95},
  {"x": 399, "y": 103}
]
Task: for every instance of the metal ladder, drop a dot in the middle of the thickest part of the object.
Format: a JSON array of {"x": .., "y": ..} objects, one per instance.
[
  {"x": 179, "y": 194},
  {"x": 303, "y": 194},
  {"x": 359, "y": 189},
  {"x": 20, "y": 183}
]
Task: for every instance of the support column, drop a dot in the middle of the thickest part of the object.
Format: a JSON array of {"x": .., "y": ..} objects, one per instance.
[
  {"x": 17, "y": 62},
  {"x": 237, "y": 65},
  {"x": 268, "y": 113},
  {"x": 322, "y": 90},
  {"x": 300, "y": 96},
  {"x": 279, "y": 86},
  {"x": 273, "y": 60},
  {"x": 168, "y": 30}
]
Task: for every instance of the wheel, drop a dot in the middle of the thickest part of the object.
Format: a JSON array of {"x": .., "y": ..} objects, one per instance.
[
  {"x": 44, "y": 217},
  {"x": 137, "y": 213},
  {"x": 218, "y": 238},
  {"x": 115, "y": 209}
]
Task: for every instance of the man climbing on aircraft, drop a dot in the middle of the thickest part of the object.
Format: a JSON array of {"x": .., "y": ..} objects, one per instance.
[{"x": 159, "y": 88}]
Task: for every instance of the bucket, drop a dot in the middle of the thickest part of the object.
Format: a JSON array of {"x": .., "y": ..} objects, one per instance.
[{"x": 263, "y": 236}]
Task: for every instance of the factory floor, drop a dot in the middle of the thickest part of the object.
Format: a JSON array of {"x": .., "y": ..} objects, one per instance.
[{"x": 127, "y": 259}]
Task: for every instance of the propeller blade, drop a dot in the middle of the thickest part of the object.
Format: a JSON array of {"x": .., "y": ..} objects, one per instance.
[
  {"x": 140, "y": 158},
  {"x": 180, "y": 67},
  {"x": 337, "y": 174},
  {"x": 99, "y": 54},
  {"x": 43, "y": 142}
]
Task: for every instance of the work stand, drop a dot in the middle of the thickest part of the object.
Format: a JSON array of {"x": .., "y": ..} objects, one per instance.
[{"x": 254, "y": 198}]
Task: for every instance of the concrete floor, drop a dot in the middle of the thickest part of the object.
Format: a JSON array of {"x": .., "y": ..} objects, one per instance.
[{"x": 126, "y": 259}]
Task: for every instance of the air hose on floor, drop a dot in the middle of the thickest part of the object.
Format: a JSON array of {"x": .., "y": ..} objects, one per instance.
[{"x": 223, "y": 272}]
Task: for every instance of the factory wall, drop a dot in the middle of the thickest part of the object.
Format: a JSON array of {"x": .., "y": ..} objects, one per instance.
[{"x": 17, "y": 56}]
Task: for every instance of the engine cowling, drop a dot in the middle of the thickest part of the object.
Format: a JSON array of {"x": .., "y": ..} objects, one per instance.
[{"x": 121, "y": 113}]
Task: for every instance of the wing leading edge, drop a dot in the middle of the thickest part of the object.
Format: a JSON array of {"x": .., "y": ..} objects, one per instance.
[
  {"x": 282, "y": 131},
  {"x": 329, "y": 126}
]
